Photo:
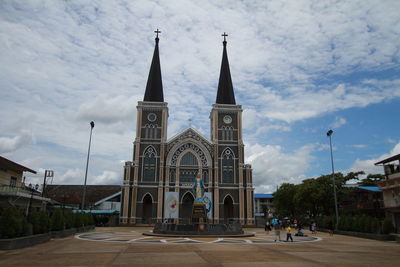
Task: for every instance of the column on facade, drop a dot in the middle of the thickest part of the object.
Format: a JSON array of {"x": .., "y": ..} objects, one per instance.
[{"x": 161, "y": 184}]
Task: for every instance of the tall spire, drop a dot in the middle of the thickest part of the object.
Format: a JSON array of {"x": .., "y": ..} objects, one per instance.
[
  {"x": 154, "y": 88},
  {"x": 225, "y": 93}
]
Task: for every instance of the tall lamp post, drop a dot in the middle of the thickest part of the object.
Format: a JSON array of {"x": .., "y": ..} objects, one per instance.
[
  {"x": 87, "y": 165},
  {"x": 329, "y": 134}
]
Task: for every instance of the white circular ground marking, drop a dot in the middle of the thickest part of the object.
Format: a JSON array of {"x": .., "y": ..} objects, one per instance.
[{"x": 138, "y": 238}]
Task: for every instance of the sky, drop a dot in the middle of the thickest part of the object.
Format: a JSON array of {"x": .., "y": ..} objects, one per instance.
[{"x": 299, "y": 68}]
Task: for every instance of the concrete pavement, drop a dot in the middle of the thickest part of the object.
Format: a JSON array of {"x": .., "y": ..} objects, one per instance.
[{"x": 330, "y": 251}]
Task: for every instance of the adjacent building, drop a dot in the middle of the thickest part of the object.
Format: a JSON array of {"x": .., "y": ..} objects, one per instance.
[
  {"x": 158, "y": 181},
  {"x": 365, "y": 199},
  {"x": 263, "y": 208},
  {"x": 13, "y": 190},
  {"x": 391, "y": 187}
]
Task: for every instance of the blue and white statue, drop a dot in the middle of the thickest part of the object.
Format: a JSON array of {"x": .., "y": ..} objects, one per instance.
[{"x": 198, "y": 188}]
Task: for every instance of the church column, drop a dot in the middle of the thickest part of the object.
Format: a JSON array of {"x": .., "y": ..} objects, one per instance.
[
  {"x": 161, "y": 184},
  {"x": 216, "y": 186},
  {"x": 167, "y": 176},
  {"x": 241, "y": 188}
]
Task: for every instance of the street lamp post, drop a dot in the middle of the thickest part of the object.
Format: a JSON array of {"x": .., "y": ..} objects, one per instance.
[
  {"x": 87, "y": 165},
  {"x": 329, "y": 134}
]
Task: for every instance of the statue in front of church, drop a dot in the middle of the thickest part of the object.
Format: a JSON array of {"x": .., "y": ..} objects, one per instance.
[{"x": 198, "y": 188}]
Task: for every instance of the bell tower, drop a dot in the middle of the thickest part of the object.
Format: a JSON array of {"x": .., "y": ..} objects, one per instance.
[
  {"x": 144, "y": 175},
  {"x": 230, "y": 181}
]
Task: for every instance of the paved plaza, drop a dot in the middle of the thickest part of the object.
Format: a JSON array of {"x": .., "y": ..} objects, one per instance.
[{"x": 127, "y": 246}]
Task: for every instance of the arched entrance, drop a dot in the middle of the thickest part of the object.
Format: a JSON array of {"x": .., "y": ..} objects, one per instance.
[
  {"x": 147, "y": 209},
  {"x": 186, "y": 207},
  {"x": 228, "y": 208}
]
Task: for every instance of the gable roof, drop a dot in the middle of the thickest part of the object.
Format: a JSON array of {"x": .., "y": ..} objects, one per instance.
[
  {"x": 189, "y": 132},
  {"x": 6, "y": 163},
  {"x": 108, "y": 198},
  {"x": 387, "y": 160}
]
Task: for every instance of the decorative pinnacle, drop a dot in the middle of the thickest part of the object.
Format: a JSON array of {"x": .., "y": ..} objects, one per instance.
[
  {"x": 157, "y": 32},
  {"x": 224, "y": 35}
]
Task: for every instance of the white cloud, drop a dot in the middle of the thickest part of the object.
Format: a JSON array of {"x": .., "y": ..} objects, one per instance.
[
  {"x": 339, "y": 121},
  {"x": 64, "y": 64},
  {"x": 359, "y": 146},
  {"x": 368, "y": 166},
  {"x": 107, "y": 177},
  {"x": 272, "y": 166},
  {"x": 9, "y": 144}
]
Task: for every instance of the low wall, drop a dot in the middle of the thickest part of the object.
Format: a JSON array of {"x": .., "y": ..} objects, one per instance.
[{"x": 26, "y": 241}]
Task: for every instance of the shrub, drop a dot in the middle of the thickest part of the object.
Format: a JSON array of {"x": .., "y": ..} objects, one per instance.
[
  {"x": 366, "y": 223},
  {"x": 374, "y": 226},
  {"x": 44, "y": 222},
  {"x": 387, "y": 226},
  {"x": 34, "y": 219},
  {"x": 78, "y": 220},
  {"x": 69, "y": 219},
  {"x": 12, "y": 223},
  {"x": 57, "y": 220}
]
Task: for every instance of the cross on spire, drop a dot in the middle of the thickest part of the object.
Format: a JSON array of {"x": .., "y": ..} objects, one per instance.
[
  {"x": 224, "y": 36},
  {"x": 157, "y": 32}
]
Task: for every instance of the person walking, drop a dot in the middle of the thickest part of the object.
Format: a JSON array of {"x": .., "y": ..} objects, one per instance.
[
  {"x": 277, "y": 228},
  {"x": 267, "y": 226},
  {"x": 289, "y": 233}
]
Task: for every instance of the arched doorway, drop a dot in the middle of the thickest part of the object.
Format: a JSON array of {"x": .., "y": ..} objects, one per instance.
[
  {"x": 228, "y": 208},
  {"x": 147, "y": 208},
  {"x": 186, "y": 207}
]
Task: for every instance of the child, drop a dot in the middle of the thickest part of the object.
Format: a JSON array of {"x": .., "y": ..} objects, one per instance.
[{"x": 289, "y": 234}]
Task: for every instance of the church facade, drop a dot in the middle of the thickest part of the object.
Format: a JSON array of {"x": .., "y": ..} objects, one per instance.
[{"x": 158, "y": 181}]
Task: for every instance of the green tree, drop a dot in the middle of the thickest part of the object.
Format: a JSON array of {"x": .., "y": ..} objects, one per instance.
[
  {"x": 371, "y": 180},
  {"x": 284, "y": 202}
]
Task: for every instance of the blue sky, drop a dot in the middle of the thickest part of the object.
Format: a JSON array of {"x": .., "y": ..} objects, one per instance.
[{"x": 299, "y": 68}]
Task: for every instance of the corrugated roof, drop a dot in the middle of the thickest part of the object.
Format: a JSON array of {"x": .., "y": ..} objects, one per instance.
[
  {"x": 371, "y": 188},
  {"x": 72, "y": 194},
  {"x": 263, "y": 196}
]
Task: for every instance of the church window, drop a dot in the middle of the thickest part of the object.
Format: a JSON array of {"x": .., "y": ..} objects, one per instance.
[
  {"x": 151, "y": 131},
  {"x": 189, "y": 160},
  {"x": 227, "y": 133},
  {"x": 149, "y": 164},
  {"x": 188, "y": 168},
  {"x": 228, "y": 174},
  {"x": 172, "y": 176}
]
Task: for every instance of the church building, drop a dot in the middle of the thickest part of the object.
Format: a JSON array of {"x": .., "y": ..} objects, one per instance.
[{"x": 158, "y": 181}]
